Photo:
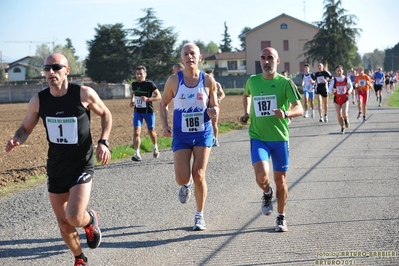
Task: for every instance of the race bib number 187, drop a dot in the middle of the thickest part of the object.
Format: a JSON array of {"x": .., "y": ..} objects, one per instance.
[{"x": 263, "y": 105}]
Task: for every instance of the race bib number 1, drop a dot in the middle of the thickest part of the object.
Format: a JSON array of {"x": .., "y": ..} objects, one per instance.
[
  {"x": 139, "y": 102},
  {"x": 264, "y": 105},
  {"x": 62, "y": 130},
  {"x": 192, "y": 122}
]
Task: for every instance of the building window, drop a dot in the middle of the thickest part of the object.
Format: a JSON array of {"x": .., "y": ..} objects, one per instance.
[
  {"x": 265, "y": 44},
  {"x": 17, "y": 70},
  {"x": 232, "y": 65},
  {"x": 283, "y": 26},
  {"x": 287, "y": 67},
  {"x": 243, "y": 63},
  {"x": 286, "y": 46}
]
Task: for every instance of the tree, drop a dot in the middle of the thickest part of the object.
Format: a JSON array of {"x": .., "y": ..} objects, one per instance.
[
  {"x": 153, "y": 46},
  {"x": 225, "y": 46},
  {"x": 109, "y": 57},
  {"x": 373, "y": 60},
  {"x": 242, "y": 39},
  {"x": 2, "y": 75},
  {"x": 211, "y": 48},
  {"x": 70, "y": 47},
  {"x": 391, "y": 59},
  {"x": 335, "y": 42}
]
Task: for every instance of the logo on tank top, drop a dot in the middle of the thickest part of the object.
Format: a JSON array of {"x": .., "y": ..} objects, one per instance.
[
  {"x": 182, "y": 96},
  {"x": 200, "y": 96}
]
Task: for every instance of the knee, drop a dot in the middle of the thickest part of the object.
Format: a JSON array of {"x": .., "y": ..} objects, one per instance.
[{"x": 75, "y": 220}]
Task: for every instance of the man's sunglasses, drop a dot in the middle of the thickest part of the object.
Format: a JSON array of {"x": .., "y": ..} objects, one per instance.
[{"x": 54, "y": 67}]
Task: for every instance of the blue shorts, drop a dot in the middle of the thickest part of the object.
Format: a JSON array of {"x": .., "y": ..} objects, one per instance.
[
  {"x": 308, "y": 94},
  {"x": 149, "y": 119},
  {"x": 278, "y": 151},
  {"x": 189, "y": 143}
]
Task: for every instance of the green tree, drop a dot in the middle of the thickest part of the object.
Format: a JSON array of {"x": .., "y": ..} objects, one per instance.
[
  {"x": 335, "y": 42},
  {"x": 2, "y": 74},
  {"x": 70, "y": 47},
  {"x": 211, "y": 48},
  {"x": 153, "y": 46},
  {"x": 391, "y": 59},
  {"x": 225, "y": 46},
  {"x": 108, "y": 59},
  {"x": 242, "y": 39},
  {"x": 374, "y": 60}
]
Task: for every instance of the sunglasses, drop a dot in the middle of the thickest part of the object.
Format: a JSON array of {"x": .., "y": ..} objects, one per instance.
[{"x": 54, "y": 67}]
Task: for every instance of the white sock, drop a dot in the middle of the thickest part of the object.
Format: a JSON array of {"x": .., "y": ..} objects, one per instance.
[
  {"x": 138, "y": 152},
  {"x": 269, "y": 192},
  {"x": 283, "y": 214},
  {"x": 197, "y": 213},
  {"x": 155, "y": 146}
]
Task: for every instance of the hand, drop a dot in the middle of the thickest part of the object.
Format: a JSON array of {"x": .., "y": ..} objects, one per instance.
[
  {"x": 11, "y": 144},
  {"x": 103, "y": 154},
  {"x": 279, "y": 113},
  {"x": 131, "y": 104},
  {"x": 244, "y": 119},
  {"x": 213, "y": 112},
  {"x": 167, "y": 132}
]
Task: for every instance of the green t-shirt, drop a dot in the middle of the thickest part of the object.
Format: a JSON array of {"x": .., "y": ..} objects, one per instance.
[{"x": 267, "y": 95}]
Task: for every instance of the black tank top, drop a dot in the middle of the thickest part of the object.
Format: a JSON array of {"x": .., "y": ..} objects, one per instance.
[{"x": 67, "y": 124}]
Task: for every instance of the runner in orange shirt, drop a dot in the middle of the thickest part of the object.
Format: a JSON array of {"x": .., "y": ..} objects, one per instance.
[{"x": 362, "y": 84}]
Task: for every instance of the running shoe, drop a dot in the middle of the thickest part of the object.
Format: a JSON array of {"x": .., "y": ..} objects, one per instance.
[
  {"x": 364, "y": 120},
  {"x": 80, "y": 262},
  {"x": 281, "y": 224},
  {"x": 325, "y": 118},
  {"x": 185, "y": 193},
  {"x": 306, "y": 114},
  {"x": 267, "y": 206},
  {"x": 312, "y": 114},
  {"x": 93, "y": 232},
  {"x": 155, "y": 153},
  {"x": 379, "y": 105},
  {"x": 136, "y": 158},
  {"x": 321, "y": 119},
  {"x": 199, "y": 223},
  {"x": 347, "y": 124},
  {"x": 342, "y": 131},
  {"x": 359, "y": 116}
]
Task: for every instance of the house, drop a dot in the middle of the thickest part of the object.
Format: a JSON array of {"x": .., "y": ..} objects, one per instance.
[
  {"x": 284, "y": 33},
  {"x": 225, "y": 64},
  {"x": 17, "y": 69}
]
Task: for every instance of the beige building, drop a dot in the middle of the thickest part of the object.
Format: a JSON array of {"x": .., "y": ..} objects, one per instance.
[
  {"x": 225, "y": 64},
  {"x": 284, "y": 33}
]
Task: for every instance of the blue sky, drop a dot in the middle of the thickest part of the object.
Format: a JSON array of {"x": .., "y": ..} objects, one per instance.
[{"x": 33, "y": 21}]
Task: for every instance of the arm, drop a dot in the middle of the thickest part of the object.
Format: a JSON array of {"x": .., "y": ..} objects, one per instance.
[
  {"x": 169, "y": 91},
  {"x": 27, "y": 126},
  {"x": 92, "y": 101},
  {"x": 246, "y": 102},
  {"x": 220, "y": 91},
  {"x": 213, "y": 109},
  {"x": 349, "y": 85},
  {"x": 132, "y": 102},
  {"x": 296, "y": 109}
]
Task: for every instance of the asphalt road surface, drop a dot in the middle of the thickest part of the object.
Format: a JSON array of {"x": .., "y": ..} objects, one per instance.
[{"x": 342, "y": 206}]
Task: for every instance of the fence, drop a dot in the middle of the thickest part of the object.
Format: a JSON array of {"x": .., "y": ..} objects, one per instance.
[{"x": 23, "y": 93}]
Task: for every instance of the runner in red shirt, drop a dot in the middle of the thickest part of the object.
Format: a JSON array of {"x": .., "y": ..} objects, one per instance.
[{"x": 341, "y": 86}]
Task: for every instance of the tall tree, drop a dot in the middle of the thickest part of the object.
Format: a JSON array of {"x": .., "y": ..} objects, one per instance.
[
  {"x": 391, "y": 59},
  {"x": 70, "y": 47},
  {"x": 242, "y": 39},
  {"x": 225, "y": 46},
  {"x": 153, "y": 46},
  {"x": 108, "y": 59},
  {"x": 211, "y": 47},
  {"x": 335, "y": 42}
]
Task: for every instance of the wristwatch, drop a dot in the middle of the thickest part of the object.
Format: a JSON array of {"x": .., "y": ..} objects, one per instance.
[
  {"x": 104, "y": 142},
  {"x": 285, "y": 114}
]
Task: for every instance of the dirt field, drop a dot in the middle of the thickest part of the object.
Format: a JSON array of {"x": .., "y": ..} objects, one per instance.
[{"x": 30, "y": 158}]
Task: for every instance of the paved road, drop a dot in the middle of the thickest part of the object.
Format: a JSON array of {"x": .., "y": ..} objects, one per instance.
[{"x": 342, "y": 208}]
